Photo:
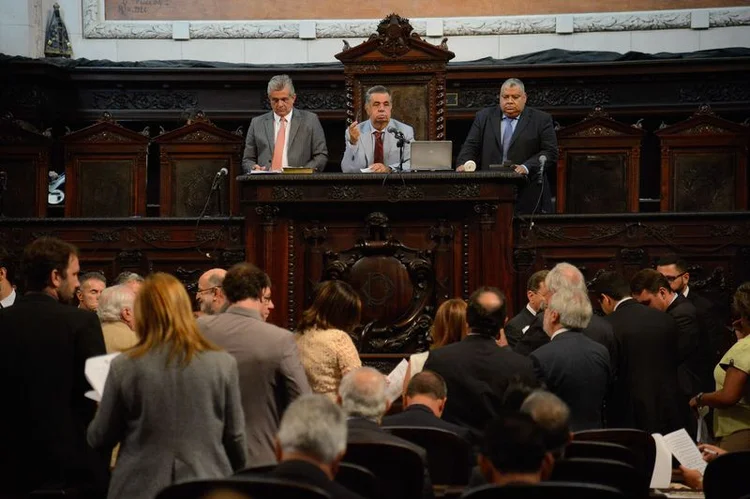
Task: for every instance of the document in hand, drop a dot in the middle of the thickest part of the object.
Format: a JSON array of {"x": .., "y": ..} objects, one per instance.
[
  {"x": 679, "y": 444},
  {"x": 96, "y": 371},
  {"x": 396, "y": 381}
]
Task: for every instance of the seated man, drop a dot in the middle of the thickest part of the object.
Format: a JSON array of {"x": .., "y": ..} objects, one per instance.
[
  {"x": 285, "y": 136},
  {"x": 374, "y": 143},
  {"x": 363, "y": 397},
  {"x": 118, "y": 320},
  {"x": 423, "y": 405},
  {"x": 553, "y": 417},
  {"x": 514, "y": 452},
  {"x": 311, "y": 443}
]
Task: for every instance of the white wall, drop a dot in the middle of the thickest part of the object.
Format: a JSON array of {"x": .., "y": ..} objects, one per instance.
[{"x": 22, "y": 25}]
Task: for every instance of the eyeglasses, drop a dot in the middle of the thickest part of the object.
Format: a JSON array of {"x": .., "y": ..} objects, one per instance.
[
  {"x": 671, "y": 278},
  {"x": 266, "y": 299},
  {"x": 206, "y": 290}
]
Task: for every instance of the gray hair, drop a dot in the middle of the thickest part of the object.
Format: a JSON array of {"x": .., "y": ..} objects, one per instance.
[
  {"x": 280, "y": 82},
  {"x": 552, "y": 415},
  {"x": 574, "y": 307},
  {"x": 362, "y": 393},
  {"x": 126, "y": 277},
  {"x": 315, "y": 426},
  {"x": 565, "y": 275},
  {"x": 92, "y": 275},
  {"x": 513, "y": 82},
  {"x": 377, "y": 89},
  {"x": 113, "y": 301}
]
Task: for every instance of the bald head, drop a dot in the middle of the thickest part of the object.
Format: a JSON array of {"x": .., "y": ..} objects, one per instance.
[
  {"x": 210, "y": 293},
  {"x": 565, "y": 275},
  {"x": 362, "y": 393}
]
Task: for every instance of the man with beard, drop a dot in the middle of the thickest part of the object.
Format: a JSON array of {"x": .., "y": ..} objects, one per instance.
[
  {"x": 45, "y": 345},
  {"x": 210, "y": 293}
]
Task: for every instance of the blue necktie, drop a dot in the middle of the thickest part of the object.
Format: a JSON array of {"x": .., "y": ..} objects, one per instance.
[{"x": 507, "y": 136}]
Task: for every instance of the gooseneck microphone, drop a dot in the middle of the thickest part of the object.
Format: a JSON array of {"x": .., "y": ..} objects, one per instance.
[
  {"x": 223, "y": 172},
  {"x": 397, "y": 133},
  {"x": 542, "y": 160}
]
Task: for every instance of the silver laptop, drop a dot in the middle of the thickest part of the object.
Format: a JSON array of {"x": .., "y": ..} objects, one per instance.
[{"x": 431, "y": 155}]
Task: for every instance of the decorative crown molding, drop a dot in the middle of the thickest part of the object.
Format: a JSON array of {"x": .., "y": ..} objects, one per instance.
[{"x": 95, "y": 25}]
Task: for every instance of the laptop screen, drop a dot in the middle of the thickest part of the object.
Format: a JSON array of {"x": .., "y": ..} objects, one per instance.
[{"x": 431, "y": 155}]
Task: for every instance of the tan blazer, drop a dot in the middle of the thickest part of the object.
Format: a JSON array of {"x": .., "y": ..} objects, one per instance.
[
  {"x": 118, "y": 336},
  {"x": 271, "y": 374}
]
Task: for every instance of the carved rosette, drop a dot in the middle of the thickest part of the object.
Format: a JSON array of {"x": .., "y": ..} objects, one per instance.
[
  {"x": 349, "y": 99},
  {"x": 315, "y": 234},
  {"x": 440, "y": 105},
  {"x": 404, "y": 192},
  {"x": 267, "y": 214},
  {"x": 487, "y": 213},
  {"x": 464, "y": 191}
]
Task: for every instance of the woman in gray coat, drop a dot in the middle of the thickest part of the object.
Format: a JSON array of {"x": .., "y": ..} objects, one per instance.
[{"x": 172, "y": 401}]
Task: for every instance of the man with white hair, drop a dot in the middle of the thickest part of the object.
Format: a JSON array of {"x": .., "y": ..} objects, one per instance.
[
  {"x": 311, "y": 443},
  {"x": 363, "y": 397},
  {"x": 574, "y": 367},
  {"x": 130, "y": 279},
  {"x": 210, "y": 293},
  {"x": 118, "y": 320},
  {"x": 565, "y": 275}
]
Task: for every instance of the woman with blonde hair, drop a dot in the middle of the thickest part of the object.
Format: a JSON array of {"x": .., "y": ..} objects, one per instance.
[
  {"x": 326, "y": 350},
  {"x": 448, "y": 327},
  {"x": 172, "y": 401}
]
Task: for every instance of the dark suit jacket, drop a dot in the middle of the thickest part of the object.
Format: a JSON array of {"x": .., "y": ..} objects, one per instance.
[
  {"x": 309, "y": 474},
  {"x": 713, "y": 333},
  {"x": 477, "y": 373},
  {"x": 306, "y": 147},
  {"x": 576, "y": 369},
  {"x": 533, "y": 338},
  {"x": 421, "y": 415},
  {"x": 366, "y": 431},
  {"x": 45, "y": 415},
  {"x": 514, "y": 328},
  {"x": 534, "y": 136},
  {"x": 693, "y": 352},
  {"x": 646, "y": 393}
]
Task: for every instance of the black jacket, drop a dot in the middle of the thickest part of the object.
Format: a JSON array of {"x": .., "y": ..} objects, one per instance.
[
  {"x": 309, "y": 474},
  {"x": 45, "y": 414},
  {"x": 514, "y": 327},
  {"x": 421, "y": 415}
]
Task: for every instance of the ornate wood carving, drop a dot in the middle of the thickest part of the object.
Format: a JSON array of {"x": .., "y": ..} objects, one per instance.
[{"x": 286, "y": 193}]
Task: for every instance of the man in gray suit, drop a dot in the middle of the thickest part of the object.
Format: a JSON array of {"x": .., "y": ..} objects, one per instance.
[
  {"x": 271, "y": 375},
  {"x": 298, "y": 132},
  {"x": 374, "y": 143}
]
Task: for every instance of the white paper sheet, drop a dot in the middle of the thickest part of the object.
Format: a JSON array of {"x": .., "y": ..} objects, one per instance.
[
  {"x": 96, "y": 371},
  {"x": 662, "y": 475},
  {"x": 396, "y": 381},
  {"x": 685, "y": 450}
]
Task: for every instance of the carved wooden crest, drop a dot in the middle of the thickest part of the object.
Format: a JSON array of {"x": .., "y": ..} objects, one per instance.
[
  {"x": 396, "y": 285},
  {"x": 599, "y": 124},
  {"x": 106, "y": 130},
  {"x": 200, "y": 129},
  {"x": 704, "y": 122}
]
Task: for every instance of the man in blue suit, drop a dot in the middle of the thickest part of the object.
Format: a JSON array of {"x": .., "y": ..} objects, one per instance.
[{"x": 374, "y": 143}]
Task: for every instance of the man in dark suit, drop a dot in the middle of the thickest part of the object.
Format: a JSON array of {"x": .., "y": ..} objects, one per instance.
[
  {"x": 574, "y": 367},
  {"x": 362, "y": 395},
  {"x": 476, "y": 370},
  {"x": 535, "y": 290},
  {"x": 646, "y": 394},
  {"x": 651, "y": 288},
  {"x": 565, "y": 275},
  {"x": 311, "y": 444},
  {"x": 298, "y": 132},
  {"x": 515, "y": 135},
  {"x": 675, "y": 270},
  {"x": 46, "y": 342},
  {"x": 424, "y": 403}
]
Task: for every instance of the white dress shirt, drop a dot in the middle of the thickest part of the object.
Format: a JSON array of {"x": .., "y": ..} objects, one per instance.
[
  {"x": 621, "y": 301},
  {"x": 8, "y": 300}
]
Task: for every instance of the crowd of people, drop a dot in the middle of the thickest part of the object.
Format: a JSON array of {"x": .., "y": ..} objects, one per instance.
[{"x": 208, "y": 397}]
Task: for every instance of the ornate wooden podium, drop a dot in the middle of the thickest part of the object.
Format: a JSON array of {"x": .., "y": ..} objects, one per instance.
[{"x": 405, "y": 242}]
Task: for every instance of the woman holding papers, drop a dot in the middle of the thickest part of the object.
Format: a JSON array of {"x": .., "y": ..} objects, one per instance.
[
  {"x": 731, "y": 400},
  {"x": 326, "y": 350},
  {"x": 173, "y": 400}
]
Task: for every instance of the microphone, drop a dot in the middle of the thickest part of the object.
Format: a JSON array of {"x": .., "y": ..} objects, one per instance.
[
  {"x": 222, "y": 172},
  {"x": 396, "y": 132},
  {"x": 542, "y": 160}
]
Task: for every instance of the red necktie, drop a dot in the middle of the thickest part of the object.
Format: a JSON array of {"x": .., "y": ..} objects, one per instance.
[{"x": 378, "y": 147}]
